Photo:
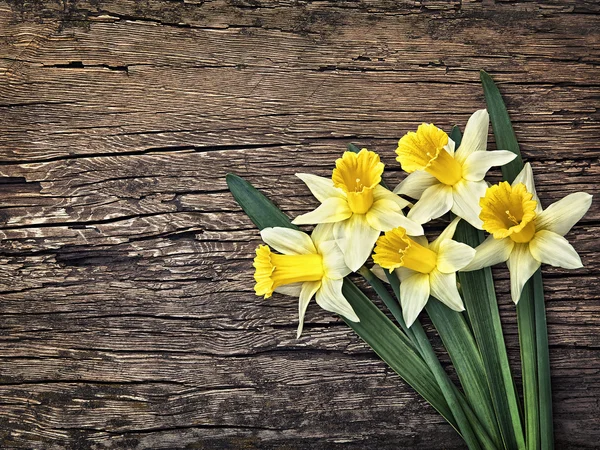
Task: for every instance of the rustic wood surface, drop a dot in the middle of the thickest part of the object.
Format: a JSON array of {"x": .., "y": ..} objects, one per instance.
[{"x": 128, "y": 318}]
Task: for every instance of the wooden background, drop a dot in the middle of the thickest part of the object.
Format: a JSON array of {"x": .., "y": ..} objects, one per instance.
[{"x": 128, "y": 318}]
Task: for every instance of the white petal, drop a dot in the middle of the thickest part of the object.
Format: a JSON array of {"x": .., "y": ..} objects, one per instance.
[
  {"x": 415, "y": 184},
  {"x": 380, "y": 193},
  {"x": 308, "y": 290},
  {"x": 323, "y": 232},
  {"x": 475, "y": 136},
  {"x": 443, "y": 287},
  {"x": 356, "y": 238},
  {"x": 414, "y": 293},
  {"x": 453, "y": 256},
  {"x": 382, "y": 217},
  {"x": 526, "y": 177},
  {"x": 559, "y": 217},
  {"x": 448, "y": 233},
  {"x": 333, "y": 260},
  {"x": 490, "y": 252},
  {"x": 404, "y": 272},
  {"x": 551, "y": 248},
  {"x": 450, "y": 146},
  {"x": 522, "y": 265},
  {"x": 401, "y": 272},
  {"x": 379, "y": 272},
  {"x": 288, "y": 241},
  {"x": 330, "y": 298},
  {"x": 477, "y": 164},
  {"x": 322, "y": 188},
  {"x": 435, "y": 202},
  {"x": 466, "y": 196},
  {"x": 421, "y": 240},
  {"x": 292, "y": 289},
  {"x": 334, "y": 209}
]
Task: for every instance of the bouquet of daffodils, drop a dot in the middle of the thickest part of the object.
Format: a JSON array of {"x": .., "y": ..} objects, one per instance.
[{"x": 449, "y": 276}]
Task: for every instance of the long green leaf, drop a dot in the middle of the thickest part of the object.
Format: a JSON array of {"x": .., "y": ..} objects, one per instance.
[
  {"x": 533, "y": 330},
  {"x": 455, "y": 398},
  {"x": 484, "y": 318},
  {"x": 526, "y": 323},
  {"x": 374, "y": 328},
  {"x": 481, "y": 304},
  {"x": 449, "y": 390},
  {"x": 466, "y": 359},
  {"x": 543, "y": 366},
  {"x": 259, "y": 208},
  {"x": 447, "y": 387},
  {"x": 385, "y": 339},
  {"x": 462, "y": 348}
]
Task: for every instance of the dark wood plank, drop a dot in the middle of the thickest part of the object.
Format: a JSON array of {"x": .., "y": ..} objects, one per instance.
[{"x": 128, "y": 315}]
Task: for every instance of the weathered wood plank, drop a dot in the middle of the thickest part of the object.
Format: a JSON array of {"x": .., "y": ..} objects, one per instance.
[{"x": 128, "y": 316}]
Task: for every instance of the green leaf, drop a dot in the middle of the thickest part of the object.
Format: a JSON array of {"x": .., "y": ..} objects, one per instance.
[
  {"x": 482, "y": 308},
  {"x": 374, "y": 327},
  {"x": 352, "y": 148},
  {"x": 259, "y": 208},
  {"x": 468, "y": 422},
  {"x": 389, "y": 343},
  {"x": 533, "y": 330},
  {"x": 543, "y": 364},
  {"x": 503, "y": 130},
  {"x": 456, "y": 136},
  {"x": 527, "y": 343},
  {"x": 466, "y": 359},
  {"x": 481, "y": 304}
]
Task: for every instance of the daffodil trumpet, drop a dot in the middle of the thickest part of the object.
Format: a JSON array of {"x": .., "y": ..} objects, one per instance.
[
  {"x": 523, "y": 234},
  {"x": 357, "y": 205},
  {"x": 443, "y": 179},
  {"x": 306, "y": 266},
  {"x": 423, "y": 268}
]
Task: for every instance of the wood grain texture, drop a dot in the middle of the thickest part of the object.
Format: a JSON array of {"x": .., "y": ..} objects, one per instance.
[{"x": 128, "y": 315}]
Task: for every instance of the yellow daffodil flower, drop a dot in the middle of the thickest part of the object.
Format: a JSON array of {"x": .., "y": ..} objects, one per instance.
[
  {"x": 307, "y": 266},
  {"x": 423, "y": 268},
  {"x": 444, "y": 180},
  {"x": 524, "y": 235},
  {"x": 358, "y": 206}
]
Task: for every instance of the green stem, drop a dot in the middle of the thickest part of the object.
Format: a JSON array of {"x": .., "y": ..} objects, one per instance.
[
  {"x": 391, "y": 303},
  {"x": 466, "y": 359},
  {"x": 468, "y": 423},
  {"x": 445, "y": 385},
  {"x": 527, "y": 341},
  {"x": 384, "y": 337},
  {"x": 543, "y": 364},
  {"x": 482, "y": 307}
]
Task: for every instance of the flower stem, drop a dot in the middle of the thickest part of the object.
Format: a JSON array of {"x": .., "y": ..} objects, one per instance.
[
  {"x": 469, "y": 426},
  {"x": 543, "y": 364},
  {"x": 527, "y": 341}
]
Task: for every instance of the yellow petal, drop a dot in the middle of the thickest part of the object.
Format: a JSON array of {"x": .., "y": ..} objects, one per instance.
[
  {"x": 426, "y": 150},
  {"x": 357, "y": 174},
  {"x": 509, "y": 211}
]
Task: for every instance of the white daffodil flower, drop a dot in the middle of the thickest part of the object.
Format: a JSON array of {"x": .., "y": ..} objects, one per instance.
[
  {"x": 307, "y": 266},
  {"x": 423, "y": 268},
  {"x": 444, "y": 180},
  {"x": 358, "y": 206},
  {"x": 524, "y": 235}
]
